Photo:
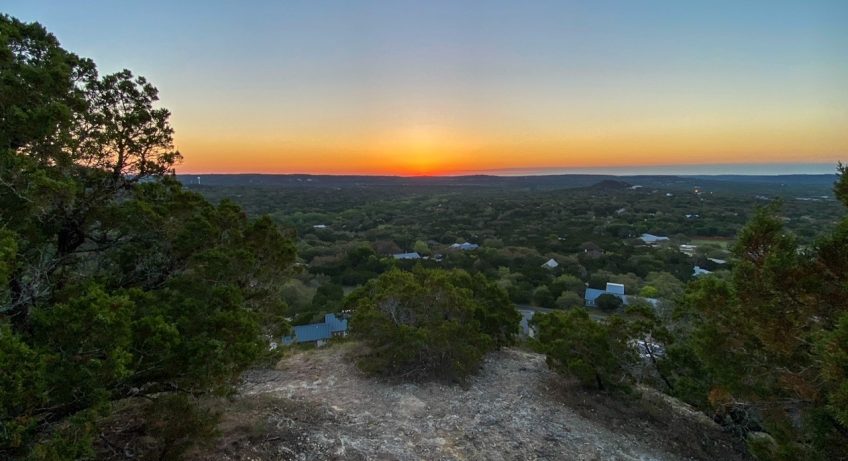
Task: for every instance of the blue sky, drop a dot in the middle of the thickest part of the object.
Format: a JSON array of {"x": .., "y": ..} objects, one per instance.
[{"x": 434, "y": 87}]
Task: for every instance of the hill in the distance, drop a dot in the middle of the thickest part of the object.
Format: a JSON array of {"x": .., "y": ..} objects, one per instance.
[{"x": 784, "y": 185}]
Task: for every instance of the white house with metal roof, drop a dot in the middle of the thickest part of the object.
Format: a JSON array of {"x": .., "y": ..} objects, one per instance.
[{"x": 617, "y": 290}]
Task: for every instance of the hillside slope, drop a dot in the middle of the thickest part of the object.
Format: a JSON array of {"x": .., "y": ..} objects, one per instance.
[{"x": 316, "y": 405}]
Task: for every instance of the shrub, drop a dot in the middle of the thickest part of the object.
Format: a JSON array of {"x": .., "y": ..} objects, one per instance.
[{"x": 430, "y": 324}]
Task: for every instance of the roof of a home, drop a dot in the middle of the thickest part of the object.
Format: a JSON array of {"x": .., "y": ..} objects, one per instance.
[
  {"x": 317, "y": 331},
  {"x": 650, "y": 238},
  {"x": 615, "y": 288},
  {"x": 698, "y": 270}
]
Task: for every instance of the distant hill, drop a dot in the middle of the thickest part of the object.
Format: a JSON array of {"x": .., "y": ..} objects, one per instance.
[
  {"x": 783, "y": 185},
  {"x": 611, "y": 184},
  {"x": 786, "y": 179}
]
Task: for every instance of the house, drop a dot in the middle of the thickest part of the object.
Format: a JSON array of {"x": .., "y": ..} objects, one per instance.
[
  {"x": 413, "y": 255},
  {"x": 465, "y": 246},
  {"x": 718, "y": 261},
  {"x": 617, "y": 290},
  {"x": 651, "y": 239},
  {"x": 318, "y": 333},
  {"x": 320, "y": 226},
  {"x": 688, "y": 250},
  {"x": 551, "y": 264},
  {"x": 698, "y": 271}
]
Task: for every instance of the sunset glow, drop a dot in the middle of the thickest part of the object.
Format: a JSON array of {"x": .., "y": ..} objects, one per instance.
[{"x": 432, "y": 88}]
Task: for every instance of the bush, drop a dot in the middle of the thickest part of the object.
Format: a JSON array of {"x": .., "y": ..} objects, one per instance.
[
  {"x": 608, "y": 302},
  {"x": 430, "y": 324},
  {"x": 596, "y": 354},
  {"x": 569, "y": 299}
]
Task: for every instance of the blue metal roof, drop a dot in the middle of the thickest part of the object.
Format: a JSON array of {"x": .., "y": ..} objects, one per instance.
[
  {"x": 334, "y": 323},
  {"x": 593, "y": 293},
  {"x": 316, "y": 331}
]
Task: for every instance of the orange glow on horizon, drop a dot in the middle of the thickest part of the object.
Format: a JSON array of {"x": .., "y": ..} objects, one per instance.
[{"x": 430, "y": 151}]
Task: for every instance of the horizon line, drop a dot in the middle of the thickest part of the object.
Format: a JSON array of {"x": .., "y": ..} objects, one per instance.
[{"x": 713, "y": 169}]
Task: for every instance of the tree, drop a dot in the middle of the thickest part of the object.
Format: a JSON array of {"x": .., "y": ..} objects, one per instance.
[
  {"x": 649, "y": 291},
  {"x": 608, "y": 302},
  {"x": 429, "y": 324},
  {"x": 597, "y": 354},
  {"x": 667, "y": 286},
  {"x": 328, "y": 297},
  {"x": 772, "y": 336},
  {"x": 421, "y": 247},
  {"x": 567, "y": 282},
  {"x": 569, "y": 299},
  {"x": 542, "y": 296},
  {"x": 117, "y": 283}
]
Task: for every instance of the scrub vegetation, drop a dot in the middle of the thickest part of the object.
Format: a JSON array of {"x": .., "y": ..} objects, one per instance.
[{"x": 133, "y": 302}]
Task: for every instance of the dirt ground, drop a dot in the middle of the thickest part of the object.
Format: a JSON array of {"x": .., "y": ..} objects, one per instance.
[{"x": 316, "y": 405}]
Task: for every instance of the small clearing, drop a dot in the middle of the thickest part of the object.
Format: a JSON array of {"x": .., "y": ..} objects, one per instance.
[{"x": 316, "y": 405}]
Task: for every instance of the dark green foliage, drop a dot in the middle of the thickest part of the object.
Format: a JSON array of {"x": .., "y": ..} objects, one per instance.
[
  {"x": 595, "y": 353},
  {"x": 773, "y": 337},
  {"x": 430, "y": 324},
  {"x": 176, "y": 423},
  {"x": 542, "y": 296},
  {"x": 328, "y": 298},
  {"x": 608, "y": 302},
  {"x": 115, "y": 281}
]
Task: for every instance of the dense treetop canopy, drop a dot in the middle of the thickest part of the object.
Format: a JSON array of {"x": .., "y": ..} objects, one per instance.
[{"x": 115, "y": 281}]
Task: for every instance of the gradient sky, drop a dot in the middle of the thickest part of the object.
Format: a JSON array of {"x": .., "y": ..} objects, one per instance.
[{"x": 432, "y": 87}]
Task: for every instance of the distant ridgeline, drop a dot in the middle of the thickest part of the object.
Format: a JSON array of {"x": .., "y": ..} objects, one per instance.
[{"x": 819, "y": 184}]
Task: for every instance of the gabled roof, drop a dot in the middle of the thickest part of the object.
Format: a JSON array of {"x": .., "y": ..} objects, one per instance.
[
  {"x": 413, "y": 255},
  {"x": 316, "y": 331},
  {"x": 551, "y": 264}
]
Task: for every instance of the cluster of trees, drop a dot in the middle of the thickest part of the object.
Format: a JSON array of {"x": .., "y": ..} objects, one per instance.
[
  {"x": 116, "y": 283},
  {"x": 348, "y": 228},
  {"x": 762, "y": 349},
  {"x": 430, "y": 323}
]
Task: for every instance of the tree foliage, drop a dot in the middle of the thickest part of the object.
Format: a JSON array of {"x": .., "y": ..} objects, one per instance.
[
  {"x": 115, "y": 282},
  {"x": 595, "y": 353},
  {"x": 773, "y": 337},
  {"x": 430, "y": 324}
]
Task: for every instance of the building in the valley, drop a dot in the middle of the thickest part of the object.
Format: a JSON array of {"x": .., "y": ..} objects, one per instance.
[
  {"x": 688, "y": 249},
  {"x": 615, "y": 289},
  {"x": 698, "y": 271},
  {"x": 318, "y": 333},
  {"x": 652, "y": 239},
  {"x": 412, "y": 255}
]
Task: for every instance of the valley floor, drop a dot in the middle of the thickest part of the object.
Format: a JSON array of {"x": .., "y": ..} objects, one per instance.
[{"x": 316, "y": 405}]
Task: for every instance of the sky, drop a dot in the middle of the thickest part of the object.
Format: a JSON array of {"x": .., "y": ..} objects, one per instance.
[{"x": 453, "y": 87}]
